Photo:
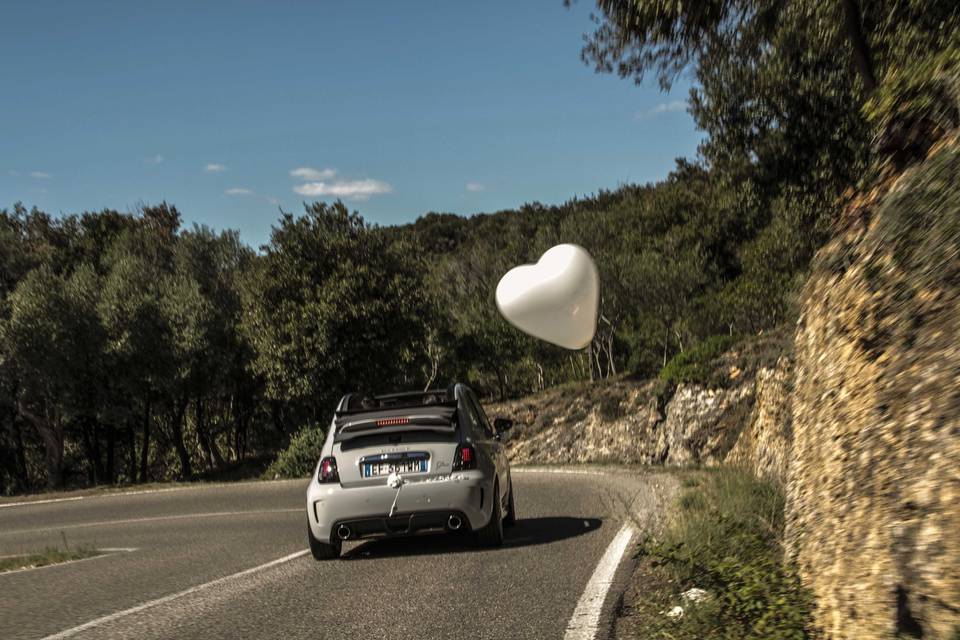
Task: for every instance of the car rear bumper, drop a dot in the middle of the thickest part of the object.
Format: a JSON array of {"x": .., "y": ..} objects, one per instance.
[
  {"x": 422, "y": 506},
  {"x": 400, "y": 524}
]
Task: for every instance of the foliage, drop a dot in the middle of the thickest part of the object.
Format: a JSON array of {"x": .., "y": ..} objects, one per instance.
[
  {"x": 926, "y": 89},
  {"x": 921, "y": 224},
  {"x": 113, "y": 326},
  {"x": 331, "y": 307},
  {"x": 300, "y": 457},
  {"x": 726, "y": 539},
  {"x": 697, "y": 365}
]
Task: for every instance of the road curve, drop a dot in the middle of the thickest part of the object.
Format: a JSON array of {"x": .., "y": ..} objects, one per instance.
[{"x": 229, "y": 561}]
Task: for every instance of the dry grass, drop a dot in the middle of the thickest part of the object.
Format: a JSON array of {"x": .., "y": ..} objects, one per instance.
[
  {"x": 724, "y": 535},
  {"x": 45, "y": 558}
]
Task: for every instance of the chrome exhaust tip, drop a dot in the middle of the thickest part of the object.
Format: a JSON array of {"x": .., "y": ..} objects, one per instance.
[
  {"x": 454, "y": 522},
  {"x": 343, "y": 532}
]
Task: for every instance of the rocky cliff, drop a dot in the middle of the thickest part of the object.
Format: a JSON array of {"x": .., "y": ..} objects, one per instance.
[
  {"x": 873, "y": 488},
  {"x": 858, "y": 419},
  {"x": 743, "y": 419}
]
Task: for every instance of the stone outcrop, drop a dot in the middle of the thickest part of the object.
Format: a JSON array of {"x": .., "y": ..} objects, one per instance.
[
  {"x": 764, "y": 443},
  {"x": 611, "y": 421},
  {"x": 626, "y": 421},
  {"x": 702, "y": 425},
  {"x": 873, "y": 491}
]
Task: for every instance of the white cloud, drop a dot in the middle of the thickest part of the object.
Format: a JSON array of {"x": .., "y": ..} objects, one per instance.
[
  {"x": 273, "y": 201},
  {"x": 213, "y": 167},
  {"x": 42, "y": 175},
  {"x": 157, "y": 159},
  {"x": 474, "y": 187},
  {"x": 309, "y": 173},
  {"x": 664, "y": 107},
  {"x": 238, "y": 191},
  {"x": 355, "y": 189}
]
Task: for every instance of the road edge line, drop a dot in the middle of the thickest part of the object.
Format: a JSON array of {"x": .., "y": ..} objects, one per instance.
[
  {"x": 141, "y": 492},
  {"x": 8, "y": 505},
  {"x": 575, "y": 472},
  {"x": 146, "y": 519},
  {"x": 585, "y": 621},
  {"x": 117, "y": 615}
]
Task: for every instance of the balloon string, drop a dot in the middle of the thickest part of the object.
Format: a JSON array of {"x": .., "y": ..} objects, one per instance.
[
  {"x": 393, "y": 507},
  {"x": 395, "y": 480}
]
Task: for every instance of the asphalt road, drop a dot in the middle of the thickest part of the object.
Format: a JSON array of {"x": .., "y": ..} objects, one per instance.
[{"x": 168, "y": 546}]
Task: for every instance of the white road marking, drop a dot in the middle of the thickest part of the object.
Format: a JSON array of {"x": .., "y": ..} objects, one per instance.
[
  {"x": 48, "y": 501},
  {"x": 585, "y": 620},
  {"x": 68, "y": 633},
  {"x": 116, "y": 494},
  {"x": 113, "y": 494},
  {"x": 576, "y": 472},
  {"x": 183, "y": 516},
  {"x": 140, "y": 492}
]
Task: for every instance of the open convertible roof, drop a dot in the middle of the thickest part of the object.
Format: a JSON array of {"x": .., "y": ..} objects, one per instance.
[{"x": 360, "y": 415}]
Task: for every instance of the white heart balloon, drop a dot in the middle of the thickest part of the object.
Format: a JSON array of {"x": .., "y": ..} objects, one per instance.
[{"x": 556, "y": 299}]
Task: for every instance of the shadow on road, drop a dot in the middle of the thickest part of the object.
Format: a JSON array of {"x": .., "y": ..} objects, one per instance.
[{"x": 525, "y": 533}]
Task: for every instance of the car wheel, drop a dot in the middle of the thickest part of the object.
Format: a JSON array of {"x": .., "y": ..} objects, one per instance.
[
  {"x": 511, "y": 518},
  {"x": 321, "y": 550},
  {"x": 491, "y": 535}
]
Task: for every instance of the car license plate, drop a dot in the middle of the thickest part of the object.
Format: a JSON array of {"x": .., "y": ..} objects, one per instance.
[{"x": 377, "y": 468}]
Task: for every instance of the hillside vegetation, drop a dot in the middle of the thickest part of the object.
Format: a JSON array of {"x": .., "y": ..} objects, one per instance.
[{"x": 132, "y": 349}]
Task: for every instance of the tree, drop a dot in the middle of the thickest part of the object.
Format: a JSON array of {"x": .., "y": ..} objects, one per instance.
[
  {"x": 53, "y": 339},
  {"x": 201, "y": 304},
  {"x": 332, "y": 306},
  {"x": 139, "y": 354},
  {"x": 635, "y": 37}
]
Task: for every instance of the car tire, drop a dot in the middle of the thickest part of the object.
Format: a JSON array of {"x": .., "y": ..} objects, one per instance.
[
  {"x": 321, "y": 550},
  {"x": 491, "y": 535},
  {"x": 511, "y": 518}
]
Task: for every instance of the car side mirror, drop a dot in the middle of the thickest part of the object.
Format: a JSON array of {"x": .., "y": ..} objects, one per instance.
[{"x": 502, "y": 424}]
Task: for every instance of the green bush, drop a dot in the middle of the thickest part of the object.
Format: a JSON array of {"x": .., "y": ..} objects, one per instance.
[
  {"x": 921, "y": 223},
  {"x": 928, "y": 89},
  {"x": 300, "y": 457},
  {"x": 725, "y": 537},
  {"x": 696, "y": 365}
]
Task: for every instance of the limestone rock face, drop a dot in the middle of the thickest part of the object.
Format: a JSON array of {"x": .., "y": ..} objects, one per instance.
[
  {"x": 764, "y": 445},
  {"x": 873, "y": 491},
  {"x": 623, "y": 421},
  {"x": 611, "y": 421},
  {"x": 702, "y": 425}
]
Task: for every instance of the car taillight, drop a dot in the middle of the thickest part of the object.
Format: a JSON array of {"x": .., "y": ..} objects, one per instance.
[
  {"x": 465, "y": 458},
  {"x": 328, "y": 470}
]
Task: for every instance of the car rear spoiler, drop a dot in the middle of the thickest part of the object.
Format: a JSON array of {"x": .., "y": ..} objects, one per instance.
[{"x": 438, "y": 418}]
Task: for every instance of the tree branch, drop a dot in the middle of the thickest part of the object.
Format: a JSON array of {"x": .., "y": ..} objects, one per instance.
[{"x": 858, "y": 41}]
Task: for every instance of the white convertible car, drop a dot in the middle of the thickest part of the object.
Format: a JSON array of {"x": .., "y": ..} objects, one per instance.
[{"x": 407, "y": 463}]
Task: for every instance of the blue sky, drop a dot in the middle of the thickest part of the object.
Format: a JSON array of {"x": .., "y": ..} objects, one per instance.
[{"x": 400, "y": 108}]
